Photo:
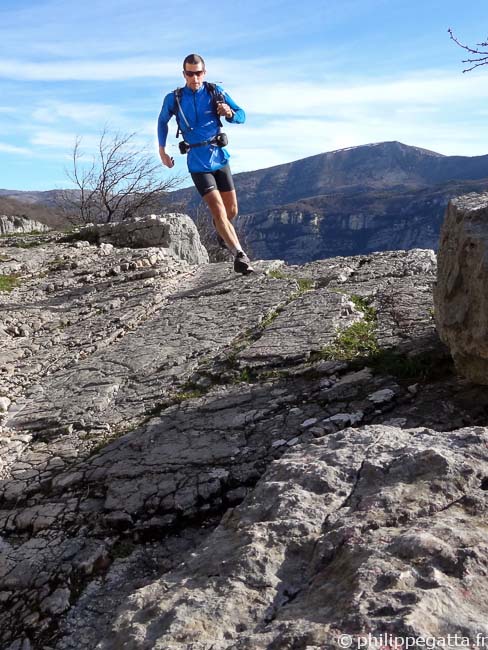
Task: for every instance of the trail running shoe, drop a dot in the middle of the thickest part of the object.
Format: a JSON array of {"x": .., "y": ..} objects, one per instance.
[{"x": 242, "y": 264}]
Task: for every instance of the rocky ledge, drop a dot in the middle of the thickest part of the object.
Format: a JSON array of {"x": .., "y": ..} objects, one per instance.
[
  {"x": 18, "y": 224},
  {"x": 197, "y": 460}
]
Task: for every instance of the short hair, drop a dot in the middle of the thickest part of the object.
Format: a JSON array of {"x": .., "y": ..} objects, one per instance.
[{"x": 193, "y": 59}]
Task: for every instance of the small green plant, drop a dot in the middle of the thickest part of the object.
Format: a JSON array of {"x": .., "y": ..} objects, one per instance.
[
  {"x": 272, "y": 316},
  {"x": 305, "y": 284},
  {"x": 186, "y": 395},
  {"x": 362, "y": 304},
  {"x": 9, "y": 282},
  {"x": 245, "y": 376},
  {"x": 358, "y": 344},
  {"x": 28, "y": 244},
  {"x": 358, "y": 340},
  {"x": 277, "y": 274}
]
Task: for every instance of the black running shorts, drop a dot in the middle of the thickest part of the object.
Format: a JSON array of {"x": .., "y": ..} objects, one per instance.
[{"x": 221, "y": 179}]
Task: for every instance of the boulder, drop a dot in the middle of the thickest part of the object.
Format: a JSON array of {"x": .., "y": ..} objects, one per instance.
[
  {"x": 175, "y": 231},
  {"x": 460, "y": 299},
  {"x": 15, "y": 224}
]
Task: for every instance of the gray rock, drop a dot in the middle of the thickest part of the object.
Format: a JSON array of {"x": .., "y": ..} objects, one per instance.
[
  {"x": 461, "y": 310},
  {"x": 4, "y": 403},
  {"x": 376, "y": 519},
  {"x": 57, "y": 602},
  {"x": 304, "y": 326},
  {"x": 150, "y": 405},
  {"x": 173, "y": 231},
  {"x": 11, "y": 225}
]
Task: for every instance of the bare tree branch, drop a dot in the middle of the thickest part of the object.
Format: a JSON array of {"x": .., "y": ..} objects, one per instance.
[
  {"x": 120, "y": 182},
  {"x": 482, "y": 60}
]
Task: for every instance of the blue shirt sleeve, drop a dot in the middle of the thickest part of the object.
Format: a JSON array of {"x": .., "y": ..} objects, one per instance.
[
  {"x": 239, "y": 116},
  {"x": 164, "y": 117}
]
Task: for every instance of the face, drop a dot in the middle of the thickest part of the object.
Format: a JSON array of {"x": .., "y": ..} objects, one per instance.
[{"x": 194, "y": 74}]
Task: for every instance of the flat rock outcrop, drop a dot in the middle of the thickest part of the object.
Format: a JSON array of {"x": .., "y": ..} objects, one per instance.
[
  {"x": 17, "y": 224},
  {"x": 173, "y": 231},
  {"x": 193, "y": 459},
  {"x": 461, "y": 304},
  {"x": 357, "y": 533}
]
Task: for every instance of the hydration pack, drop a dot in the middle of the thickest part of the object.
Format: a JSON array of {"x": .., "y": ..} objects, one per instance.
[{"x": 217, "y": 97}]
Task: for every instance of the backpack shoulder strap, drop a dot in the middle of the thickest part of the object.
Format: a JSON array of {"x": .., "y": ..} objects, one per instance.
[
  {"x": 176, "y": 100},
  {"x": 217, "y": 97},
  {"x": 177, "y": 110}
]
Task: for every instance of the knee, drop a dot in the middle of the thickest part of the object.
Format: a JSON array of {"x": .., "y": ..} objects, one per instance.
[
  {"x": 232, "y": 211},
  {"x": 219, "y": 216}
]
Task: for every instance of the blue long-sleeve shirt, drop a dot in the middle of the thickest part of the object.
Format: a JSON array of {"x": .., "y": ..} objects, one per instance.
[{"x": 199, "y": 110}]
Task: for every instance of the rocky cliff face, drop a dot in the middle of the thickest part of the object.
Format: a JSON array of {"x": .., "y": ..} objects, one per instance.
[
  {"x": 343, "y": 224},
  {"x": 13, "y": 225},
  {"x": 386, "y": 196},
  {"x": 193, "y": 459}
]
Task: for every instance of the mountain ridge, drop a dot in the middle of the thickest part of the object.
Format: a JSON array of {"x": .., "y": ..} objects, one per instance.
[
  {"x": 51, "y": 195},
  {"x": 313, "y": 208}
]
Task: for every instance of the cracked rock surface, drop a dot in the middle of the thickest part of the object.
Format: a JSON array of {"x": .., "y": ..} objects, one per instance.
[
  {"x": 360, "y": 532},
  {"x": 460, "y": 292},
  {"x": 189, "y": 460}
]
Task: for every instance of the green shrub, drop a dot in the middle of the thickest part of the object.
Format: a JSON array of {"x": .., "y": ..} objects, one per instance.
[{"x": 9, "y": 282}]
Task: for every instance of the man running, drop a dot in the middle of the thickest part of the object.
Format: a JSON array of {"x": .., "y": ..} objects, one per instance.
[{"x": 198, "y": 111}]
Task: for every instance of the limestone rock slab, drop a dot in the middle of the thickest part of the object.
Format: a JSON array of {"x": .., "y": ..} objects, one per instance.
[
  {"x": 461, "y": 305},
  {"x": 141, "y": 408},
  {"x": 174, "y": 231},
  {"x": 302, "y": 327},
  {"x": 18, "y": 224},
  {"x": 363, "y": 531}
]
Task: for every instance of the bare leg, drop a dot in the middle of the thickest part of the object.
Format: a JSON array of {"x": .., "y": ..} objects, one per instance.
[
  {"x": 218, "y": 210},
  {"x": 230, "y": 202}
]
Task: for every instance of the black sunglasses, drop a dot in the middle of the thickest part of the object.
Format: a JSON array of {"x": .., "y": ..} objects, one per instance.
[{"x": 191, "y": 73}]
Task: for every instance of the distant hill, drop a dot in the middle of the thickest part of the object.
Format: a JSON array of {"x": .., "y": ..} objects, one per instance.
[
  {"x": 375, "y": 197},
  {"x": 40, "y": 206},
  {"x": 382, "y": 196}
]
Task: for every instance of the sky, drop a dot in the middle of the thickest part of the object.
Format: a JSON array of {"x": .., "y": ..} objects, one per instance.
[{"x": 313, "y": 76}]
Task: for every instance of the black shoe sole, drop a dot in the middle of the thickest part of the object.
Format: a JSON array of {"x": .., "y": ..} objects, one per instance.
[{"x": 244, "y": 270}]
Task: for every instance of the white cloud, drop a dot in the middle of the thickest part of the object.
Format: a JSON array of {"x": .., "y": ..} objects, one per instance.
[
  {"x": 83, "y": 70},
  {"x": 54, "y": 139},
  {"x": 9, "y": 148},
  {"x": 84, "y": 113},
  {"x": 287, "y": 119},
  {"x": 419, "y": 91}
]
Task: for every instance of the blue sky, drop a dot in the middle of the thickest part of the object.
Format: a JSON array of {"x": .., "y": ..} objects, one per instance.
[{"x": 313, "y": 76}]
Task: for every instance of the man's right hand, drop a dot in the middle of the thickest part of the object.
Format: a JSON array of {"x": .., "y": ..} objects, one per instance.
[{"x": 167, "y": 160}]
